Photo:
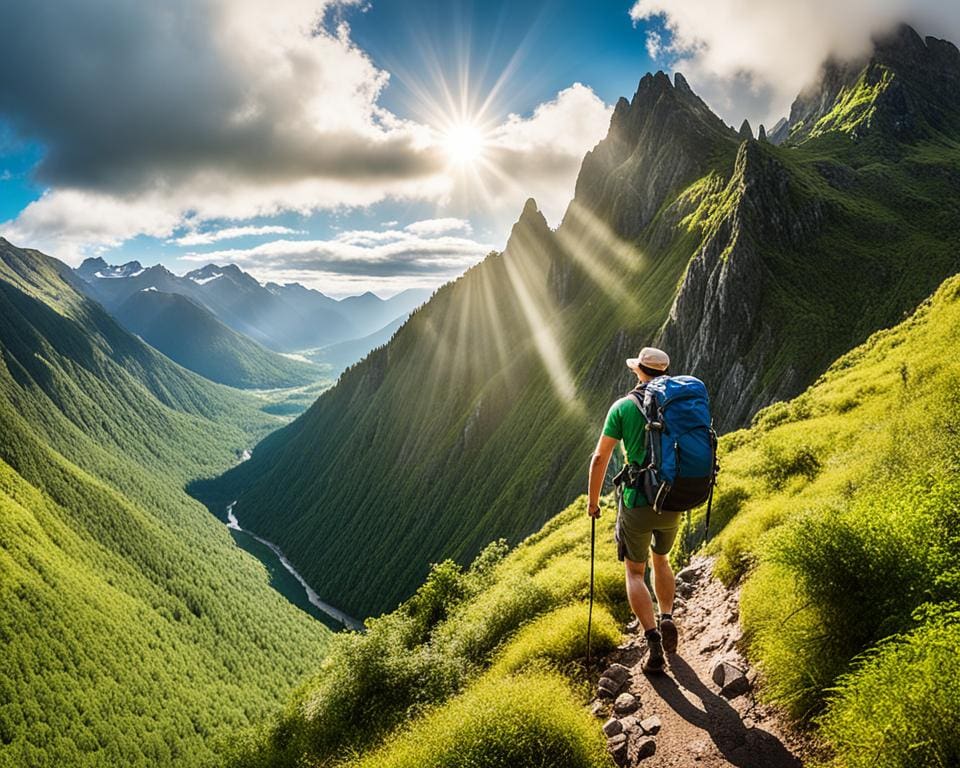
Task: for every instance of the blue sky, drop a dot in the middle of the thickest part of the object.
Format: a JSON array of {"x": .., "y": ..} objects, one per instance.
[{"x": 357, "y": 145}]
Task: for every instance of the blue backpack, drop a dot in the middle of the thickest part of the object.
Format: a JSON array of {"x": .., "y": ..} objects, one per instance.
[{"x": 681, "y": 444}]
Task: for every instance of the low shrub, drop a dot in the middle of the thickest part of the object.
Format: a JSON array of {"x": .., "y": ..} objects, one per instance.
[
  {"x": 507, "y": 722},
  {"x": 779, "y": 464},
  {"x": 901, "y": 707},
  {"x": 559, "y": 637}
]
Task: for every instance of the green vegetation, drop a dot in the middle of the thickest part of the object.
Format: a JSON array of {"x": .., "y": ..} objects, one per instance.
[
  {"x": 483, "y": 659},
  {"x": 191, "y": 336},
  {"x": 842, "y": 512},
  {"x": 134, "y": 632}
]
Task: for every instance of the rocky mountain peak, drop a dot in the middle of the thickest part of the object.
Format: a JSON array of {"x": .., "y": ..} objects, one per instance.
[
  {"x": 530, "y": 231},
  {"x": 905, "y": 88},
  {"x": 90, "y": 266},
  {"x": 745, "y": 132},
  {"x": 660, "y": 139}
]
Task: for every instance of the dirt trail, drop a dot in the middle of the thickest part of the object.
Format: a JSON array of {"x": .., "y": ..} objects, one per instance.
[{"x": 682, "y": 718}]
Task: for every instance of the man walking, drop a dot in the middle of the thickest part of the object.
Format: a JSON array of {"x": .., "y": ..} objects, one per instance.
[{"x": 639, "y": 528}]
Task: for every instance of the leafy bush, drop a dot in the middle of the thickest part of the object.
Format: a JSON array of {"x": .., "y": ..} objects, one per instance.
[
  {"x": 901, "y": 707},
  {"x": 560, "y": 636},
  {"x": 780, "y": 464},
  {"x": 511, "y": 722}
]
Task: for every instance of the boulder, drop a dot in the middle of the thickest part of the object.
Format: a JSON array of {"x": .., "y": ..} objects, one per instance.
[
  {"x": 609, "y": 688},
  {"x": 628, "y": 723},
  {"x": 650, "y": 726},
  {"x": 646, "y": 747},
  {"x": 618, "y": 673},
  {"x": 731, "y": 678},
  {"x": 612, "y": 727},
  {"x": 690, "y": 574},
  {"x": 625, "y": 704},
  {"x": 618, "y": 747}
]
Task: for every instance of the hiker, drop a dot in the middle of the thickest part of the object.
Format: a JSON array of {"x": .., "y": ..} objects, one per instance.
[{"x": 639, "y": 527}]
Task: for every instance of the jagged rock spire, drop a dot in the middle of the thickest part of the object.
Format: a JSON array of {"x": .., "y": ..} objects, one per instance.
[
  {"x": 761, "y": 133},
  {"x": 746, "y": 132},
  {"x": 663, "y": 137}
]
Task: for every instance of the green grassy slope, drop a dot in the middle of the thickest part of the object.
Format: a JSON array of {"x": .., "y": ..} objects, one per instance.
[
  {"x": 190, "y": 335},
  {"x": 476, "y": 420},
  {"x": 134, "y": 631},
  {"x": 477, "y": 668},
  {"x": 841, "y": 511}
]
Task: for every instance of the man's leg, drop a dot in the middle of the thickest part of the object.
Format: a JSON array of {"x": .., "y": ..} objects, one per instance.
[
  {"x": 639, "y": 595},
  {"x": 664, "y": 583},
  {"x": 642, "y": 605}
]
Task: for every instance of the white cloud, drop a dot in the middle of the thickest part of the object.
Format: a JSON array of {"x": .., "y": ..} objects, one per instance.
[
  {"x": 750, "y": 58},
  {"x": 539, "y": 156},
  {"x": 390, "y": 260},
  {"x": 654, "y": 44},
  {"x": 439, "y": 226},
  {"x": 72, "y": 224},
  {"x": 193, "y": 111},
  {"x": 231, "y": 233}
]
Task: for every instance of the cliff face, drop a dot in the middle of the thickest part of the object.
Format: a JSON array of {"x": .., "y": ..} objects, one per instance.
[
  {"x": 908, "y": 88},
  {"x": 783, "y": 223},
  {"x": 716, "y": 327}
]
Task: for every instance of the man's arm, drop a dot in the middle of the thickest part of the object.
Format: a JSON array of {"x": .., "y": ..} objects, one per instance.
[{"x": 598, "y": 469}]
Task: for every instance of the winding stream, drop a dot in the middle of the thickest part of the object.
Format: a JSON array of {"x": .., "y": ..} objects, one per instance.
[{"x": 334, "y": 613}]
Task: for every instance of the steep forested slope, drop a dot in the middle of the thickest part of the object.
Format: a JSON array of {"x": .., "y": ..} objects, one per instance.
[
  {"x": 188, "y": 334},
  {"x": 755, "y": 265},
  {"x": 134, "y": 632}
]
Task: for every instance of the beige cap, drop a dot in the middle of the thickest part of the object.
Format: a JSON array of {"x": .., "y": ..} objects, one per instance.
[{"x": 650, "y": 357}]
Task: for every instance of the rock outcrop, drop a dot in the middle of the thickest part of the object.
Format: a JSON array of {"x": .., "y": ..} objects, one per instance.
[{"x": 716, "y": 326}]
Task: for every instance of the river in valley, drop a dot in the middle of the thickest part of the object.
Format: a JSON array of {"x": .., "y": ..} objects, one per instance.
[{"x": 285, "y": 578}]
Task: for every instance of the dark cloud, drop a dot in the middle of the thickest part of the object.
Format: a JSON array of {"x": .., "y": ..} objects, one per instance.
[{"x": 126, "y": 95}]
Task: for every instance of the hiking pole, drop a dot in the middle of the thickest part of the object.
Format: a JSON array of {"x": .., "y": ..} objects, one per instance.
[{"x": 593, "y": 540}]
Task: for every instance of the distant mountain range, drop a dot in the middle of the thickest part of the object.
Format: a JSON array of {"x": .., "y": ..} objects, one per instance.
[
  {"x": 284, "y": 318},
  {"x": 755, "y": 264},
  {"x": 190, "y": 335}
]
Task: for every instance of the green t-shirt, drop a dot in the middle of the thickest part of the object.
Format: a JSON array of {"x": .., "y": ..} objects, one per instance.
[{"x": 626, "y": 423}]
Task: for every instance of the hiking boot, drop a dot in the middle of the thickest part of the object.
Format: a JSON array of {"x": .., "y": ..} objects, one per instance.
[
  {"x": 669, "y": 633},
  {"x": 654, "y": 662}
]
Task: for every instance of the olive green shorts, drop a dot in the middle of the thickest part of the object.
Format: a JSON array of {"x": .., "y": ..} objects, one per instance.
[{"x": 640, "y": 529}]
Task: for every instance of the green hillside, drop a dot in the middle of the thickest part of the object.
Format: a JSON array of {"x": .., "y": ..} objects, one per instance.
[
  {"x": 188, "y": 334},
  {"x": 840, "y": 513},
  {"x": 756, "y": 265},
  {"x": 474, "y": 669},
  {"x": 134, "y": 632}
]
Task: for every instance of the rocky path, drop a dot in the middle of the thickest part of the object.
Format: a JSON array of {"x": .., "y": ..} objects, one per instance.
[{"x": 702, "y": 711}]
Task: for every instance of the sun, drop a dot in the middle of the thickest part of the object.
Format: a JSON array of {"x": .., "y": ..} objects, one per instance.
[{"x": 464, "y": 143}]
